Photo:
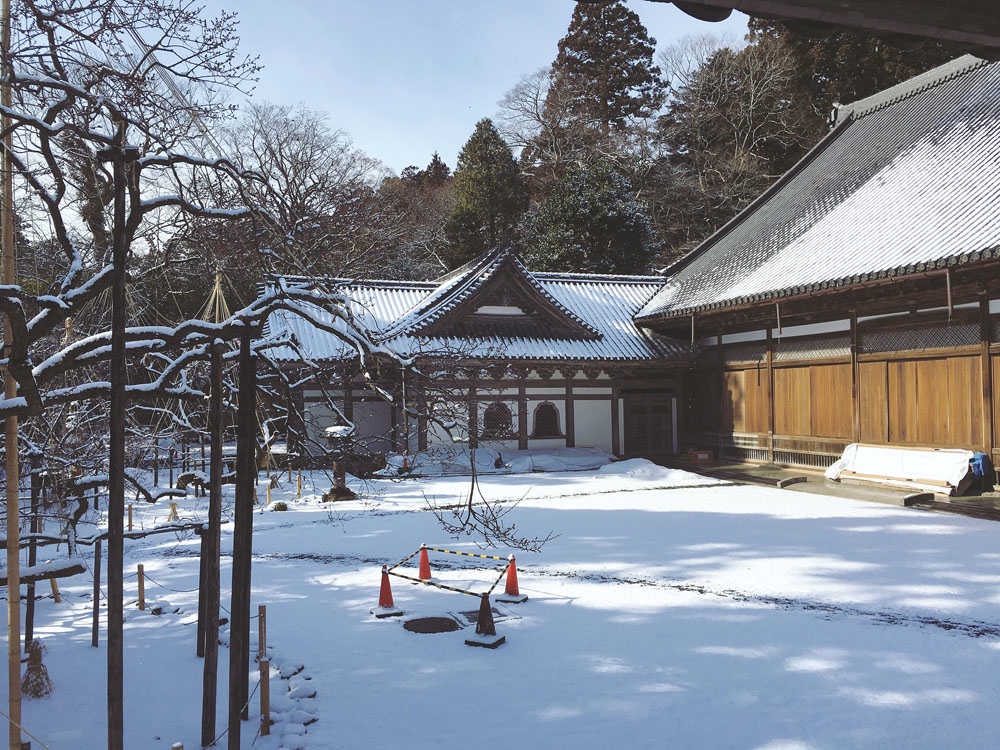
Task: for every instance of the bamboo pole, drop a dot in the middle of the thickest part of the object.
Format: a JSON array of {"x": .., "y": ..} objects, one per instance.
[{"x": 10, "y": 427}]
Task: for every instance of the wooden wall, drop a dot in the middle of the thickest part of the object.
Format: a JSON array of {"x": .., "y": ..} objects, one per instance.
[
  {"x": 947, "y": 396},
  {"x": 933, "y": 401},
  {"x": 745, "y": 400}
]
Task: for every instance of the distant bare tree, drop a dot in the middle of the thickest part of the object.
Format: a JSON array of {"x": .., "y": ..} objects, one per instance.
[{"x": 729, "y": 130}]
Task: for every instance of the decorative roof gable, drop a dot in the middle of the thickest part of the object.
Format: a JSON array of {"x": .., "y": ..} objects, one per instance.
[{"x": 494, "y": 295}]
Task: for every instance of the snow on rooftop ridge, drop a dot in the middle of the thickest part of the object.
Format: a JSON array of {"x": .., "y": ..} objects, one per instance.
[{"x": 911, "y": 87}]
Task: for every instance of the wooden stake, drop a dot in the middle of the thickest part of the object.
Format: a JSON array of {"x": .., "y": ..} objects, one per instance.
[
  {"x": 55, "y": 591},
  {"x": 298, "y": 487},
  {"x": 96, "y": 624},
  {"x": 130, "y": 516},
  {"x": 265, "y": 697},
  {"x": 261, "y": 632},
  {"x": 172, "y": 516},
  {"x": 36, "y": 491},
  {"x": 142, "y": 587},
  {"x": 269, "y": 494}
]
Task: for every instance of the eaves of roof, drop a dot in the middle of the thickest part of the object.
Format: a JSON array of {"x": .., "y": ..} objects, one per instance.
[{"x": 938, "y": 266}]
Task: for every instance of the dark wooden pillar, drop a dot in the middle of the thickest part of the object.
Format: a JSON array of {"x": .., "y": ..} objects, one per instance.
[
  {"x": 616, "y": 436},
  {"x": 522, "y": 414},
  {"x": 473, "y": 417},
  {"x": 855, "y": 377},
  {"x": 769, "y": 358},
  {"x": 570, "y": 416},
  {"x": 211, "y": 543},
  {"x": 246, "y": 474},
  {"x": 989, "y": 403}
]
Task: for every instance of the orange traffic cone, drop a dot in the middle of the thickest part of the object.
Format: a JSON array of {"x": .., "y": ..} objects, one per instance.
[
  {"x": 484, "y": 623},
  {"x": 511, "y": 593},
  {"x": 385, "y": 593},
  {"x": 486, "y": 631},
  {"x": 386, "y": 607},
  {"x": 425, "y": 564}
]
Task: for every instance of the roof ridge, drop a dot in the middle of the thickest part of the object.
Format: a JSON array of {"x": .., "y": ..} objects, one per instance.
[
  {"x": 608, "y": 277},
  {"x": 912, "y": 86}
]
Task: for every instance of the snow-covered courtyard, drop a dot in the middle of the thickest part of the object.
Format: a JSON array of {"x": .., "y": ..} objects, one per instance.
[{"x": 669, "y": 611}]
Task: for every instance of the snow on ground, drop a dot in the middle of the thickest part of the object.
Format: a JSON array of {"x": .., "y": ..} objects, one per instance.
[{"x": 670, "y": 611}]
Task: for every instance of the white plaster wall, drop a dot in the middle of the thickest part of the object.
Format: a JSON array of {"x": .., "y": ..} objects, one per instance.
[{"x": 592, "y": 420}]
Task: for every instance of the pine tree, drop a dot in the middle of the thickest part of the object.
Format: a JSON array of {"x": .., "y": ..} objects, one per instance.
[
  {"x": 490, "y": 195},
  {"x": 606, "y": 62},
  {"x": 437, "y": 172},
  {"x": 590, "y": 222},
  {"x": 434, "y": 176}
]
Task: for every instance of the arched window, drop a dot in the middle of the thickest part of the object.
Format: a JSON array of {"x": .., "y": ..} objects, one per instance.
[
  {"x": 546, "y": 421},
  {"x": 497, "y": 420}
]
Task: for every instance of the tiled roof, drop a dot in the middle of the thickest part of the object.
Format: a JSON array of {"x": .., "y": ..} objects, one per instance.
[
  {"x": 394, "y": 314},
  {"x": 909, "y": 180}
]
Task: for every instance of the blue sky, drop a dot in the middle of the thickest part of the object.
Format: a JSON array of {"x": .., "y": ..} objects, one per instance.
[{"x": 405, "y": 78}]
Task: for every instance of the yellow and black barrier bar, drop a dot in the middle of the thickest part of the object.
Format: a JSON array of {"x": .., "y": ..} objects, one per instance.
[
  {"x": 465, "y": 554},
  {"x": 499, "y": 578},
  {"x": 436, "y": 584},
  {"x": 404, "y": 560}
]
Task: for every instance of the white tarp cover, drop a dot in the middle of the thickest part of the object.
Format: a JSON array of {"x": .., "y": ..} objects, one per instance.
[
  {"x": 915, "y": 465},
  {"x": 488, "y": 461}
]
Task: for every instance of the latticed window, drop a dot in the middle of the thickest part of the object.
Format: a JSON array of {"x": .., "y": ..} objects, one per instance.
[
  {"x": 497, "y": 420},
  {"x": 546, "y": 421}
]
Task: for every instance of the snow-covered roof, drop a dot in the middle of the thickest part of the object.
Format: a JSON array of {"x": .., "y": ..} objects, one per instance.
[
  {"x": 909, "y": 180},
  {"x": 493, "y": 308}
]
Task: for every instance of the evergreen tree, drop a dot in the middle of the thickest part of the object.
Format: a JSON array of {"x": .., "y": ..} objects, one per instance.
[
  {"x": 606, "y": 62},
  {"x": 437, "y": 172},
  {"x": 590, "y": 222},
  {"x": 435, "y": 175},
  {"x": 602, "y": 85},
  {"x": 490, "y": 196}
]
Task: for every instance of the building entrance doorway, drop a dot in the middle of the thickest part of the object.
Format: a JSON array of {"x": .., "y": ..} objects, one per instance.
[{"x": 650, "y": 425}]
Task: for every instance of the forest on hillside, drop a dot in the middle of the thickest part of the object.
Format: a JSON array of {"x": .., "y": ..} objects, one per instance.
[{"x": 615, "y": 158}]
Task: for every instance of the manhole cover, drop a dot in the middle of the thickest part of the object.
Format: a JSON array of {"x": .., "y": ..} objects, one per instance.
[{"x": 431, "y": 625}]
